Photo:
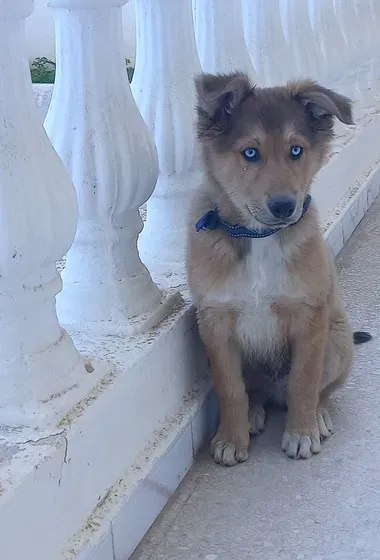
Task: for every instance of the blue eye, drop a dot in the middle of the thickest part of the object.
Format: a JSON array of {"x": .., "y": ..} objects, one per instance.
[
  {"x": 251, "y": 154},
  {"x": 296, "y": 152}
]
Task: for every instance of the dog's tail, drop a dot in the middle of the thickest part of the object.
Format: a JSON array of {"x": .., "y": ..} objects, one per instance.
[{"x": 360, "y": 337}]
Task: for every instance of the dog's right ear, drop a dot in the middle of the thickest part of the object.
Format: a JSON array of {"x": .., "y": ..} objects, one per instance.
[{"x": 218, "y": 96}]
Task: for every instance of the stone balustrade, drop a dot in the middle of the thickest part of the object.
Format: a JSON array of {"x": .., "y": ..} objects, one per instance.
[
  {"x": 75, "y": 189},
  {"x": 41, "y": 371},
  {"x": 103, "y": 141}
]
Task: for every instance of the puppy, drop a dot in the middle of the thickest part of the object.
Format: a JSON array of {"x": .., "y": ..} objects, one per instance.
[{"x": 265, "y": 287}]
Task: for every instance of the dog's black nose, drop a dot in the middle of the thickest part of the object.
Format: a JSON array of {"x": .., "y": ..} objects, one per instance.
[{"x": 282, "y": 207}]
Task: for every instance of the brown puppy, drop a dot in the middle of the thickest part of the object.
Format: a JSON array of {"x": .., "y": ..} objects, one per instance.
[{"x": 269, "y": 310}]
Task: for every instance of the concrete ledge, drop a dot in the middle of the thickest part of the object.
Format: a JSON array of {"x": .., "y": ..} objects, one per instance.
[
  {"x": 126, "y": 515},
  {"x": 348, "y": 170},
  {"x": 132, "y": 417},
  {"x": 338, "y": 233}
]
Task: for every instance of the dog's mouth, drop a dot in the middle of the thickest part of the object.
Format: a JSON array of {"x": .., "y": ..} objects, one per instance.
[
  {"x": 277, "y": 224},
  {"x": 272, "y": 224},
  {"x": 262, "y": 219}
]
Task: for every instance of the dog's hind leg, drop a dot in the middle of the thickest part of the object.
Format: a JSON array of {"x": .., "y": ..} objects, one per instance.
[
  {"x": 339, "y": 353},
  {"x": 258, "y": 387},
  {"x": 257, "y": 402}
]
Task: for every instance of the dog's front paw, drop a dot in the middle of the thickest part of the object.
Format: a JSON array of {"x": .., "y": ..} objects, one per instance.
[
  {"x": 229, "y": 450},
  {"x": 301, "y": 446}
]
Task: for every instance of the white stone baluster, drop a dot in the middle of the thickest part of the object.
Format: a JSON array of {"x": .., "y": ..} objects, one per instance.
[
  {"x": 337, "y": 72},
  {"x": 220, "y": 37},
  {"x": 97, "y": 130},
  {"x": 375, "y": 46},
  {"x": 347, "y": 19},
  {"x": 375, "y": 8},
  {"x": 301, "y": 39},
  {"x": 41, "y": 373},
  {"x": 271, "y": 56},
  {"x": 329, "y": 29},
  {"x": 163, "y": 86},
  {"x": 367, "y": 32},
  {"x": 365, "y": 28},
  {"x": 330, "y": 39},
  {"x": 356, "y": 79}
]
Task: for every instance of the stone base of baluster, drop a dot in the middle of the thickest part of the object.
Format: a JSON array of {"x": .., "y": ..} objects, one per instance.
[
  {"x": 107, "y": 285},
  {"x": 170, "y": 301},
  {"x": 45, "y": 416},
  {"x": 51, "y": 480},
  {"x": 167, "y": 303}
]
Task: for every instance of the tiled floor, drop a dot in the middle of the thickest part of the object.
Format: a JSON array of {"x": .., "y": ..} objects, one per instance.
[{"x": 273, "y": 508}]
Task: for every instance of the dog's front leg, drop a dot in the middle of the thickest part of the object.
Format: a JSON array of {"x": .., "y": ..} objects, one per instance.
[
  {"x": 302, "y": 436},
  {"x": 230, "y": 444}
]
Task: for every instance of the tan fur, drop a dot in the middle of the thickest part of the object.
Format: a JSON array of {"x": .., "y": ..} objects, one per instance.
[{"x": 257, "y": 297}]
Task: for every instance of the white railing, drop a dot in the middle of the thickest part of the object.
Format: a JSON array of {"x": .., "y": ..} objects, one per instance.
[
  {"x": 98, "y": 132},
  {"x": 117, "y": 162},
  {"x": 38, "y": 219},
  {"x": 166, "y": 63}
]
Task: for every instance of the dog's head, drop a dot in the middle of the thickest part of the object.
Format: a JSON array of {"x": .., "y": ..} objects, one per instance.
[{"x": 263, "y": 147}]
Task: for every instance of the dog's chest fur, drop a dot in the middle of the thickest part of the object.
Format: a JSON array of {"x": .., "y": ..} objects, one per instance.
[
  {"x": 262, "y": 278},
  {"x": 251, "y": 287}
]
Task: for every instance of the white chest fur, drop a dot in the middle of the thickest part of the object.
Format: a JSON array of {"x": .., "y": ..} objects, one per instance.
[
  {"x": 263, "y": 278},
  {"x": 250, "y": 289}
]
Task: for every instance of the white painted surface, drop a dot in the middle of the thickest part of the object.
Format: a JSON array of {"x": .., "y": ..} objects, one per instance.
[
  {"x": 98, "y": 132},
  {"x": 40, "y": 36},
  {"x": 342, "y": 176},
  {"x": 163, "y": 86},
  {"x": 105, "y": 445},
  {"x": 374, "y": 74},
  {"x": 309, "y": 58},
  {"x": 272, "y": 57},
  {"x": 355, "y": 79},
  {"x": 103, "y": 550},
  {"x": 39, "y": 362},
  {"x": 348, "y": 80},
  {"x": 151, "y": 496},
  {"x": 330, "y": 39},
  {"x": 367, "y": 29},
  {"x": 220, "y": 37}
]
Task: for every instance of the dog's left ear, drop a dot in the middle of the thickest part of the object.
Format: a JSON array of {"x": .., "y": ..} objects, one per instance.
[
  {"x": 322, "y": 102},
  {"x": 218, "y": 97}
]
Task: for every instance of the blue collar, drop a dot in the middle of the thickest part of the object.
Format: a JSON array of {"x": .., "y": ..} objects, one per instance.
[{"x": 211, "y": 220}]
